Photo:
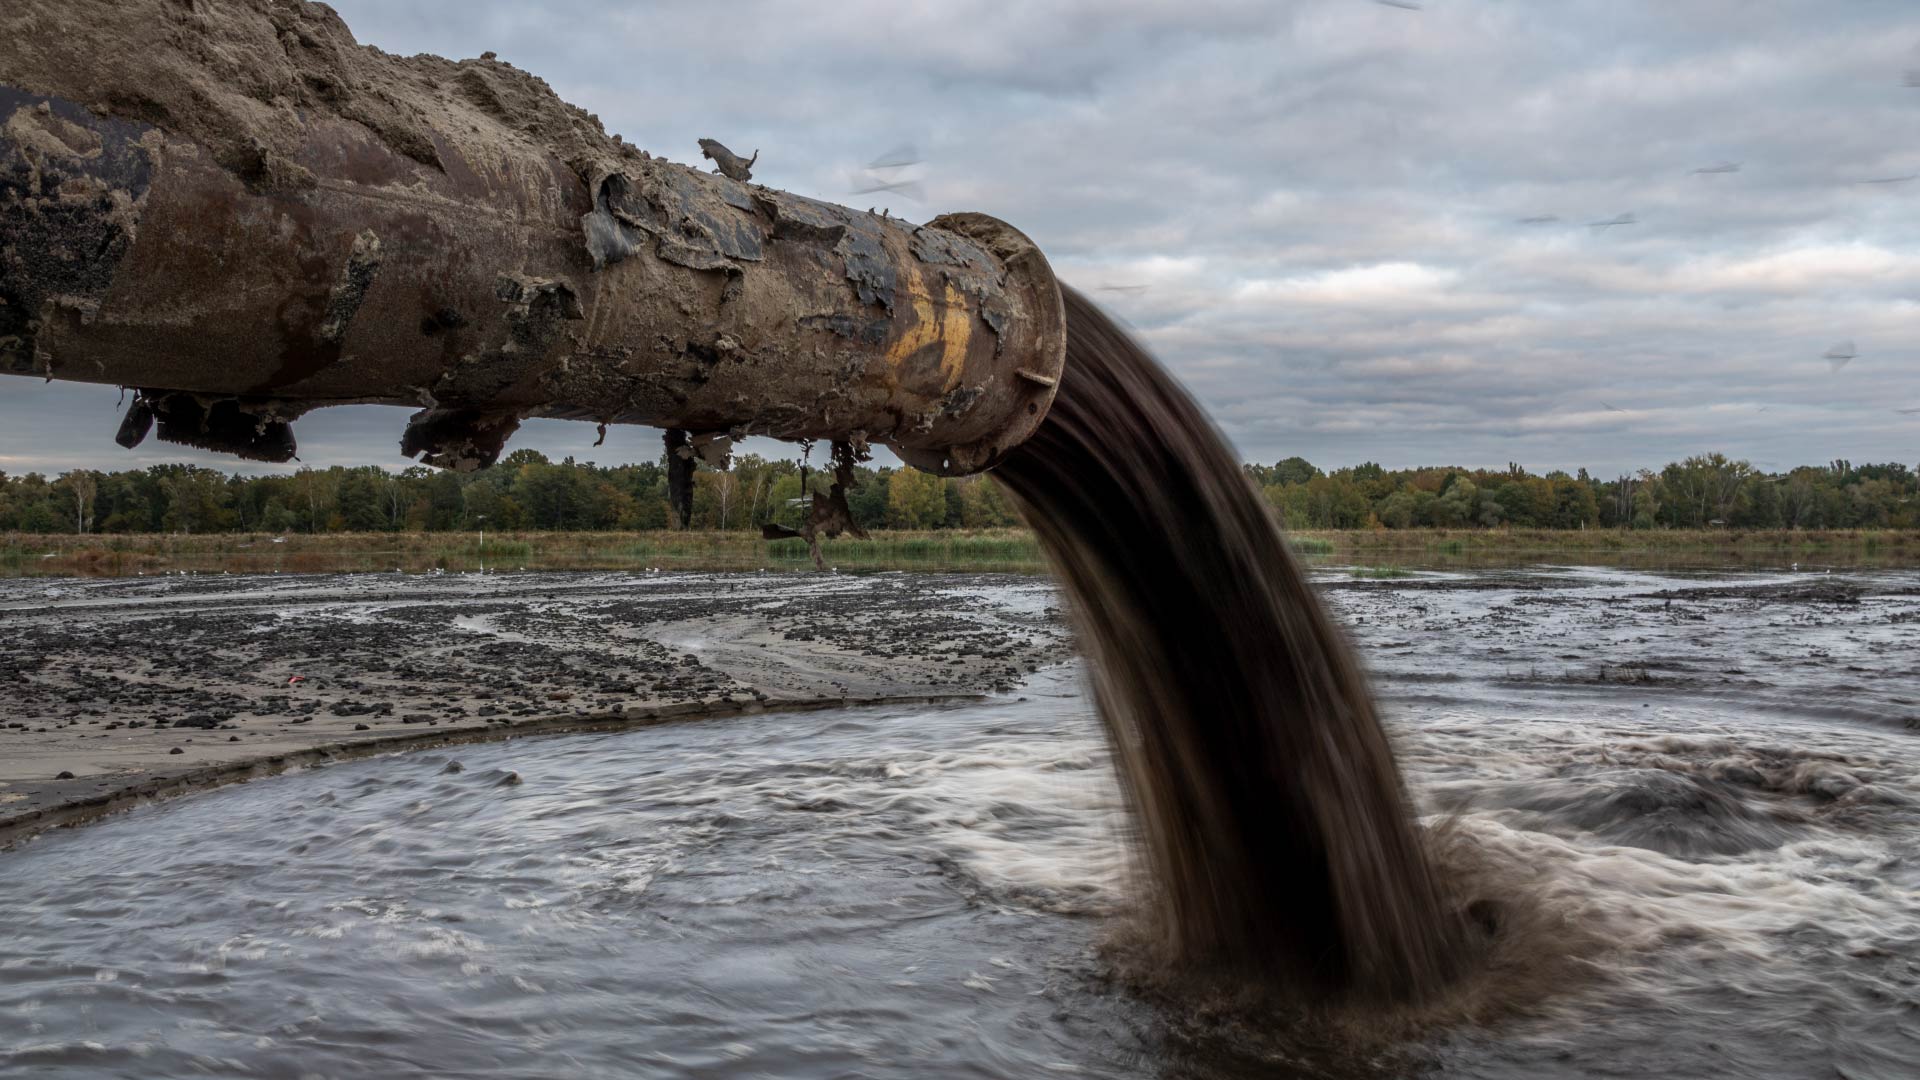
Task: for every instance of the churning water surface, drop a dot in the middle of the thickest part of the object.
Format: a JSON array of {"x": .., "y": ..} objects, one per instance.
[{"x": 1718, "y": 776}]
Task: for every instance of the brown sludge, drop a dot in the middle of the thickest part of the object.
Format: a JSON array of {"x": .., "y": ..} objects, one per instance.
[{"x": 1273, "y": 818}]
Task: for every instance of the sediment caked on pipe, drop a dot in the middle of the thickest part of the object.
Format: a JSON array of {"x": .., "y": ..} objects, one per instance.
[{"x": 232, "y": 207}]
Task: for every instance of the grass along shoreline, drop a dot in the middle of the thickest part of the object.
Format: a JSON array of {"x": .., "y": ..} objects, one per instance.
[
  {"x": 989, "y": 550},
  {"x": 56, "y": 555}
]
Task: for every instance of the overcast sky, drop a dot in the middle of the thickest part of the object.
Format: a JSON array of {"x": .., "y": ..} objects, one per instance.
[{"x": 1357, "y": 231}]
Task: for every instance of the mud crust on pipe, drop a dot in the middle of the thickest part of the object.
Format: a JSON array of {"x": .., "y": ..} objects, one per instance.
[{"x": 250, "y": 205}]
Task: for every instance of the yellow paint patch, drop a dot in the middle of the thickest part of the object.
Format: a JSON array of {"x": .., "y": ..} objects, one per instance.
[{"x": 947, "y": 321}]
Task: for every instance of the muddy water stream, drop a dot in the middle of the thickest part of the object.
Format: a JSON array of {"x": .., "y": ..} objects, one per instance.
[{"x": 1718, "y": 773}]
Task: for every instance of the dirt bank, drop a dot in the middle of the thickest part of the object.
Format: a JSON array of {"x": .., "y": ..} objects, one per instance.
[{"x": 137, "y": 688}]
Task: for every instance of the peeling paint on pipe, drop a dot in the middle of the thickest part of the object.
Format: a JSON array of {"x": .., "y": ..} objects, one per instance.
[{"x": 503, "y": 285}]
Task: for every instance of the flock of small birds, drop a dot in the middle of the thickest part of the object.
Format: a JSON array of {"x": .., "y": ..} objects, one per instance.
[{"x": 887, "y": 173}]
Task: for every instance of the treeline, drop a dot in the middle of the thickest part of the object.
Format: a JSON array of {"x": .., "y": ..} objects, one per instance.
[
  {"x": 526, "y": 491},
  {"x": 1705, "y": 491}
]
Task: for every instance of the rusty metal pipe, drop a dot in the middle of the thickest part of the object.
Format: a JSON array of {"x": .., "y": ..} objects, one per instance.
[{"x": 242, "y": 273}]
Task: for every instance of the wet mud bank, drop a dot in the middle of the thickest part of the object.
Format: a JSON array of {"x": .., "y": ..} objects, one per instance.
[
  {"x": 248, "y": 676},
  {"x": 113, "y": 693}
]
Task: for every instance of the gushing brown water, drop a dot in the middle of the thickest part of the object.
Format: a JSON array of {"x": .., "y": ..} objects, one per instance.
[{"x": 1272, "y": 814}]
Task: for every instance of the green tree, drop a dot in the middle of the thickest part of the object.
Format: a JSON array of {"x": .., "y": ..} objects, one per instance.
[
  {"x": 786, "y": 503},
  {"x": 81, "y": 487},
  {"x": 717, "y": 501},
  {"x": 983, "y": 505},
  {"x": 872, "y": 494},
  {"x": 1574, "y": 504},
  {"x": 547, "y": 493},
  {"x": 276, "y": 517},
  {"x": 359, "y": 503},
  {"x": 196, "y": 501},
  {"x": 1294, "y": 470},
  {"x": 1702, "y": 489},
  {"x": 915, "y": 500},
  {"x": 1458, "y": 505},
  {"x": 1407, "y": 508}
]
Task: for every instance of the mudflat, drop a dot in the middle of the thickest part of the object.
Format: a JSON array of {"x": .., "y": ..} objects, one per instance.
[{"x": 115, "y": 690}]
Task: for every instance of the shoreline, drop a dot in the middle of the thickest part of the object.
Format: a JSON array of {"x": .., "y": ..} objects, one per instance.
[
  {"x": 114, "y": 692},
  {"x": 95, "y": 556},
  {"x": 79, "y": 810}
]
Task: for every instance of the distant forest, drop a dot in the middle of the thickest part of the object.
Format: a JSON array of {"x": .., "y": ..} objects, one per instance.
[{"x": 526, "y": 491}]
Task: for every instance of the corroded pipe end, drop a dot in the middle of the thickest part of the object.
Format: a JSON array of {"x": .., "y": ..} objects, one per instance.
[{"x": 1015, "y": 398}]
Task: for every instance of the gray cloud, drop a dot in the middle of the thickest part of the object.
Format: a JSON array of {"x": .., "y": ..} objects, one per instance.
[{"x": 1321, "y": 200}]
